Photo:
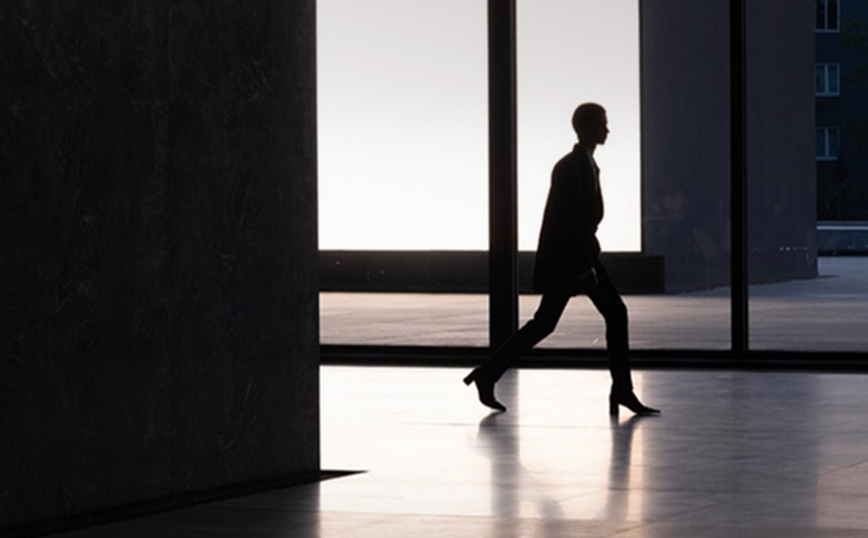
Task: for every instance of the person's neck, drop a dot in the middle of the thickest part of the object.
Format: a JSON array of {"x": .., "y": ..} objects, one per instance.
[{"x": 588, "y": 147}]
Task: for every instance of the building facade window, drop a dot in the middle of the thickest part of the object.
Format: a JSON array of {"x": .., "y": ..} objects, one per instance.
[
  {"x": 828, "y": 78},
  {"x": 828, "y": 16},
  {"x": 828, "y": 143}
]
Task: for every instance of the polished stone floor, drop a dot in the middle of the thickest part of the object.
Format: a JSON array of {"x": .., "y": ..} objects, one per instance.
[
  {"x": 821, "y": 314},
  {"x": 734, "y": 455}
]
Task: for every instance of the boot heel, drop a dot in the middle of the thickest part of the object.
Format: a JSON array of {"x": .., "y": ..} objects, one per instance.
[
  {"x": 629, "y": 400},
  {"x": 485, "y": 389}
]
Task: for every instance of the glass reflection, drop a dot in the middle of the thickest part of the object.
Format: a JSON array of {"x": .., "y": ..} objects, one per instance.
[
  {"x": 624, "y": 493},
  {"x": 808, "y": 185}
]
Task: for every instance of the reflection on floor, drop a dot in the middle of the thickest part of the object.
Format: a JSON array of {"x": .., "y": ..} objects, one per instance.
[
  {"x": 734, "y": 455},
  {"x": 821, "y": 314}
]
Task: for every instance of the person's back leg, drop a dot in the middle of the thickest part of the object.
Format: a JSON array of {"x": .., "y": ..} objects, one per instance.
[
  {"x": 609, "y": 304},
  {"x": 543, "y": 323}
]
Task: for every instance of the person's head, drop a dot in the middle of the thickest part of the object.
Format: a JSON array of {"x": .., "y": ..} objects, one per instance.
[{"x": 591, "y": 124}]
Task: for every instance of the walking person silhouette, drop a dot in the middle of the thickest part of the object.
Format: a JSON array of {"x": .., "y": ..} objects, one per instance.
[{"x": 567, "y": 264}]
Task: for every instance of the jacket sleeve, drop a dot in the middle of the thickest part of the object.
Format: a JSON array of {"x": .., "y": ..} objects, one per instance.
[{"x": 584, "y": 215}]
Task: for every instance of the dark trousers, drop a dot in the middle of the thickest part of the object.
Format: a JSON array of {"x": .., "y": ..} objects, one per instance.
[{"x": 608, "y": 302}]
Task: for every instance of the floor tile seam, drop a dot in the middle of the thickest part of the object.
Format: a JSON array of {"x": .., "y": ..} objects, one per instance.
[
  {"x": 632, "y": 529},
  {"x": 737, "y": 495},
  {"x": 628, "y": 525},
  {"x": 511, "y": 426},
  {"x": 770, "y": 434},
  {"x": 765, "y": 529},
  {"x": 728, "y": 433},
  {"x": 300, "y": 510},
  {"x": 623, "y": 525},
  {"x": 261, "y": 509},
  {"x": 591, "y": 492},
  {"x": 591, "y": 489},
  {"x": 517, "y": 425},
  {"x": 690, "y": 511},
  {"x": 844, "y": 468},
  {"x": 794, "y": 432},
  {"x": 677, "y": 518}
]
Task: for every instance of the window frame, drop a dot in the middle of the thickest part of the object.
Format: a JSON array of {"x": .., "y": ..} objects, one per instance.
[
  {"x": 826, "y": 68},
  {"x": 825, "y": 29},
  {"x": 828, "y": 155}
]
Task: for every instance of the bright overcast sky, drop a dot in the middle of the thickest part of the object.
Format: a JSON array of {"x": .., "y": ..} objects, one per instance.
[{"x": 402, "y": 118}]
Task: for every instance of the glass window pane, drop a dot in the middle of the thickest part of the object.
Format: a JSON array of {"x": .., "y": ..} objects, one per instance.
[
  {"x": 821, "y": 15},
  {"x": 569, "y": 53},
  {"x": 802, "y": 296},
  {"x": 403, "y": 166},
  {"x": 833, "y": 78},
  {"x": 402, "y": 120},
  {"x": 820, "y": 79},
  {"x": 665, "y": 241},
  {"x": 832, "y": 19}
]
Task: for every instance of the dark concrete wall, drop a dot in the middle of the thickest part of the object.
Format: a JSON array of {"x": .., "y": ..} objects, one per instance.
[
  {"x": 782, "y": 184},
  {"x": 158, "y": 286},
  {"x": 685, "y": 140}
]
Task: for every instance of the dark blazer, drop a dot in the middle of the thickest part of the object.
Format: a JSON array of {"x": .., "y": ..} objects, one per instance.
[{"x": 568, "y": 243}]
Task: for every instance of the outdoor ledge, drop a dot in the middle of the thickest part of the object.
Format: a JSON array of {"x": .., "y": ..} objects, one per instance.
[{"x": 842, "y": 237}]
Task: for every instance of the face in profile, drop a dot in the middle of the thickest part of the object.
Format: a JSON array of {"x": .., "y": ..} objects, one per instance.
[{"x": 599, "y": 130}]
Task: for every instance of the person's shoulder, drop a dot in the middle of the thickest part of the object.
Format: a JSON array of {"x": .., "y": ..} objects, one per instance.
[{"x": 576, "y": 160}]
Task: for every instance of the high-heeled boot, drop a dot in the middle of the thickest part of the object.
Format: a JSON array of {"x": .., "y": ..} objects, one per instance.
[
  {"x": 485, "y": 387},
  {"x": 628, "y": 399}
]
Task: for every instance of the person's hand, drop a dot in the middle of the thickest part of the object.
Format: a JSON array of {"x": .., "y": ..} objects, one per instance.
[{"x": 589, "y": 280}]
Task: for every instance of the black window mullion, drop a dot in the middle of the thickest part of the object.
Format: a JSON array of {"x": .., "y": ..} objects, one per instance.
[
  {"x": 502, "y": 185},
  {"x": 738, "y": 170}
]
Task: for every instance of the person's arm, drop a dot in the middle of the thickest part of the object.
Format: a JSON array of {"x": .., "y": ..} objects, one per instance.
[
  {"x": 584, "y": 208},
  {"x": 589, "y": 279}
]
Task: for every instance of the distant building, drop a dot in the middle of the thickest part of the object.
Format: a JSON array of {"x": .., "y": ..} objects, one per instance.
[
  {"x": 842, "y": 109},
  {"x": 686, "y": 177}
]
